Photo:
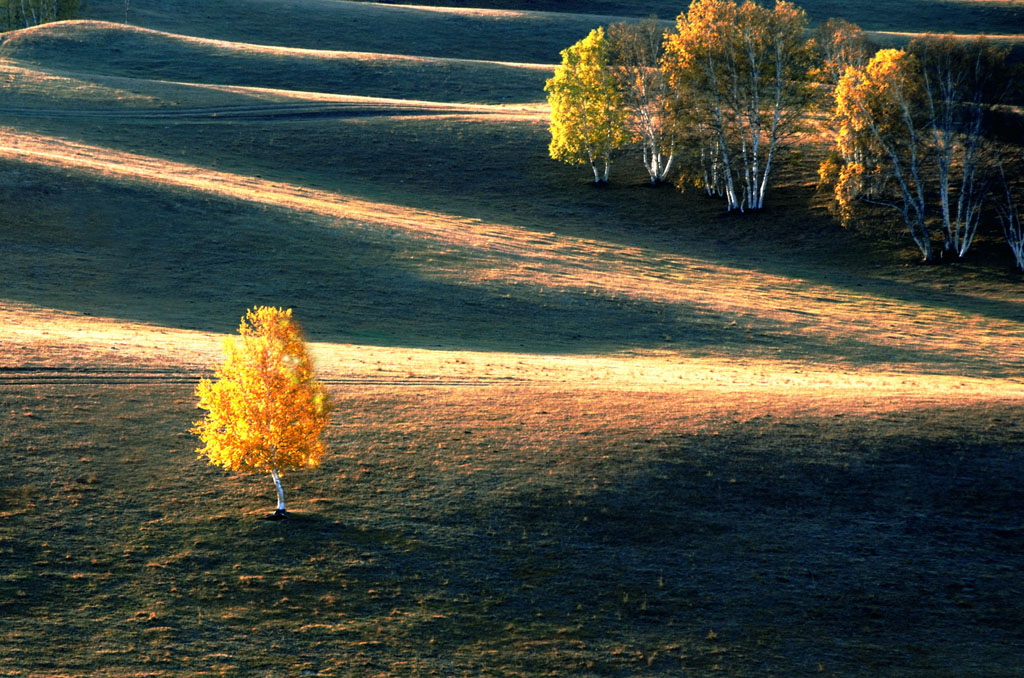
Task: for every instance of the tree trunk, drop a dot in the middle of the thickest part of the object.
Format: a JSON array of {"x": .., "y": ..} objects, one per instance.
[{"x": 280, "y": 493}]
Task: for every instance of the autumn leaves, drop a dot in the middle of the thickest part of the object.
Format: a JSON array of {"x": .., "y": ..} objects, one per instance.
[
  {"x": 265, "y": 411},
  {"x": 720, "y": 96},
  {"x": 913, "y": 133},
  {"x": 716, "y": 101}
]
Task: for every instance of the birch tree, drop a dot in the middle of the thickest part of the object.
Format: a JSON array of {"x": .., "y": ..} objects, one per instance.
[
  {"x": 265, "y": 411},
  {"x": 650, "y": 103},
  {"x": 745, "y": 70},
  {"x": 840, "y": 44},
  {"x": 588, "y": 120},
  {"x": 962, "y": 80},
  {"x": 879, "y": 117},
  {"x": 1008, "y": 207},
  {"x": 692, "y": 65}
]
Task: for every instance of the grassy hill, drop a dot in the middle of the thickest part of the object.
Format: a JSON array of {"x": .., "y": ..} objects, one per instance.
[{"x": 579, "y": 431}]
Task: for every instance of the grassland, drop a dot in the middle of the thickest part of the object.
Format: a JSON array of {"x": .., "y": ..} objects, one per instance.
[{"x": 588, "y": 432}]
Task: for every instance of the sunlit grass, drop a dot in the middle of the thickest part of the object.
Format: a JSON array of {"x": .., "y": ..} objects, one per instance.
[
  {"x": 578, "y": 432},
  {"x": 746, "y": 304},
  {"x": 117, "y": 50}
]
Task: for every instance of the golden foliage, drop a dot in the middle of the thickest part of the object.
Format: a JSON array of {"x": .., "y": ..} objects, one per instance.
[
  {"x": 266, "y": 412},
  {"x": 742, "y": 71},
  {"x": 588, "y": 117},
  {"x": 876, "y": 121}
]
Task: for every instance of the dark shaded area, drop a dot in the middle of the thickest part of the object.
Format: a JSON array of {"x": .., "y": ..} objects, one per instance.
[
  {"x": 875, "y": 545},
  {"x": 202, "y": 261},
  {"x": 114, "y": 51}
]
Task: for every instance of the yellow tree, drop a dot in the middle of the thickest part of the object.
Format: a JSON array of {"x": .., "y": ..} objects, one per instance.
[
  {"x": 879, "y": 116},
  {"x": 588, "y": 117},
  {"x": 840, "y": 44},
  {"x": 265, "y": 411},
  {"x": 744, "y": 72}
]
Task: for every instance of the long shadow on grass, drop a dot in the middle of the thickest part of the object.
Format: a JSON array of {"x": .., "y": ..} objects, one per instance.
[
  {"x": 187, "y": 261},
  {"x": 113, "y": 50},
  {"x": 500, "y": 172},
  {"x": 876, "y": 546},
  {"x": 882, "y": 547}
]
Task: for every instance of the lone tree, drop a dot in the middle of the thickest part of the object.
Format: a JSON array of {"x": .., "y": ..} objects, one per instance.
[{"x": 266, "y": 412}]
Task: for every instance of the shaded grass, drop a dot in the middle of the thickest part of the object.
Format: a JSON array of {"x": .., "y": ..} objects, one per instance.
[
  {"x": 535, "y": 36},
  {"x": 115, "y": 50},
  {"x": 517, "y": 531},
  {"x": 525, "y": 526}
]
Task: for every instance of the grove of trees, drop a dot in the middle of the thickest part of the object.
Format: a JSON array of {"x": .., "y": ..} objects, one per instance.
[
  {"x": 913, "y": 134},
  {"x": 265, "y": 411},
  {"x": 718, "y": 100},
  {"x": 25, "y": 13}
]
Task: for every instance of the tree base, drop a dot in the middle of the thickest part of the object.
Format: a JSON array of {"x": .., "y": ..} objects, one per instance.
[{"x": 279, "y": 514}]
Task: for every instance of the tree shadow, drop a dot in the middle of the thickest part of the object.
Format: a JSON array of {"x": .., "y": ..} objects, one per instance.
[
  {"x": 204, "y": 260},
  {"x": 811, "y": 539}
]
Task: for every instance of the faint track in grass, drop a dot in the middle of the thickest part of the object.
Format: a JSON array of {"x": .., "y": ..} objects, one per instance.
[
  {"x": 76, "y": 376},
  {"x": 264, "y": 112}
]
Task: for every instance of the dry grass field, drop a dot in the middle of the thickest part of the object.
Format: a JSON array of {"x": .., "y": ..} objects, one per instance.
[{"x": 579, "y": 431}]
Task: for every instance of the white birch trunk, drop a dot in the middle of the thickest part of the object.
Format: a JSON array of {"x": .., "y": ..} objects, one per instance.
[
  {"x": 280, "y": 490},
  {"x": 1009, "y": 215},
  {"x": 667, "y": 167}
]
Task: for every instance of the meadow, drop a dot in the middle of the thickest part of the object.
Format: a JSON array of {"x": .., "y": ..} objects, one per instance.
[{"x": 579, "y": 431}]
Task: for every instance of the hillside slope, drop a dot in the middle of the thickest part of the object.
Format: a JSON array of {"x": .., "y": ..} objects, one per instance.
[
  {"x": 532, "y": 30},
  {"x": 578, "y": 431},
  {"x": 116, "y": 50}
]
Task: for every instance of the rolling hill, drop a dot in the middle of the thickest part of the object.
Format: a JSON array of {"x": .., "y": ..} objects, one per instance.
[{"x": 579, "y": 431}]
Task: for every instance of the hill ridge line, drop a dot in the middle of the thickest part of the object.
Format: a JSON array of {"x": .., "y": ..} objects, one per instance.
[{"x": 229, "y": 45}]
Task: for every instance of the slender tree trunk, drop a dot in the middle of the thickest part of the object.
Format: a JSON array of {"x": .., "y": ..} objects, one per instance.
[
  {"x": 666, "y": 167},
  {"x": 280, "y": 492},
  {"x": 1009, "y": 215}
]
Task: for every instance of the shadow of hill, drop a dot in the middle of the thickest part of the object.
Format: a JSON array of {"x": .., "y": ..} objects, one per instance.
[
  {"x": 378, "y": 27},
  {"x": 114, "y": 50},
  {"x": 888, "y": 530},
  {"x": 195, "y": 262},
  {"x": 500, "y": 172}
]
